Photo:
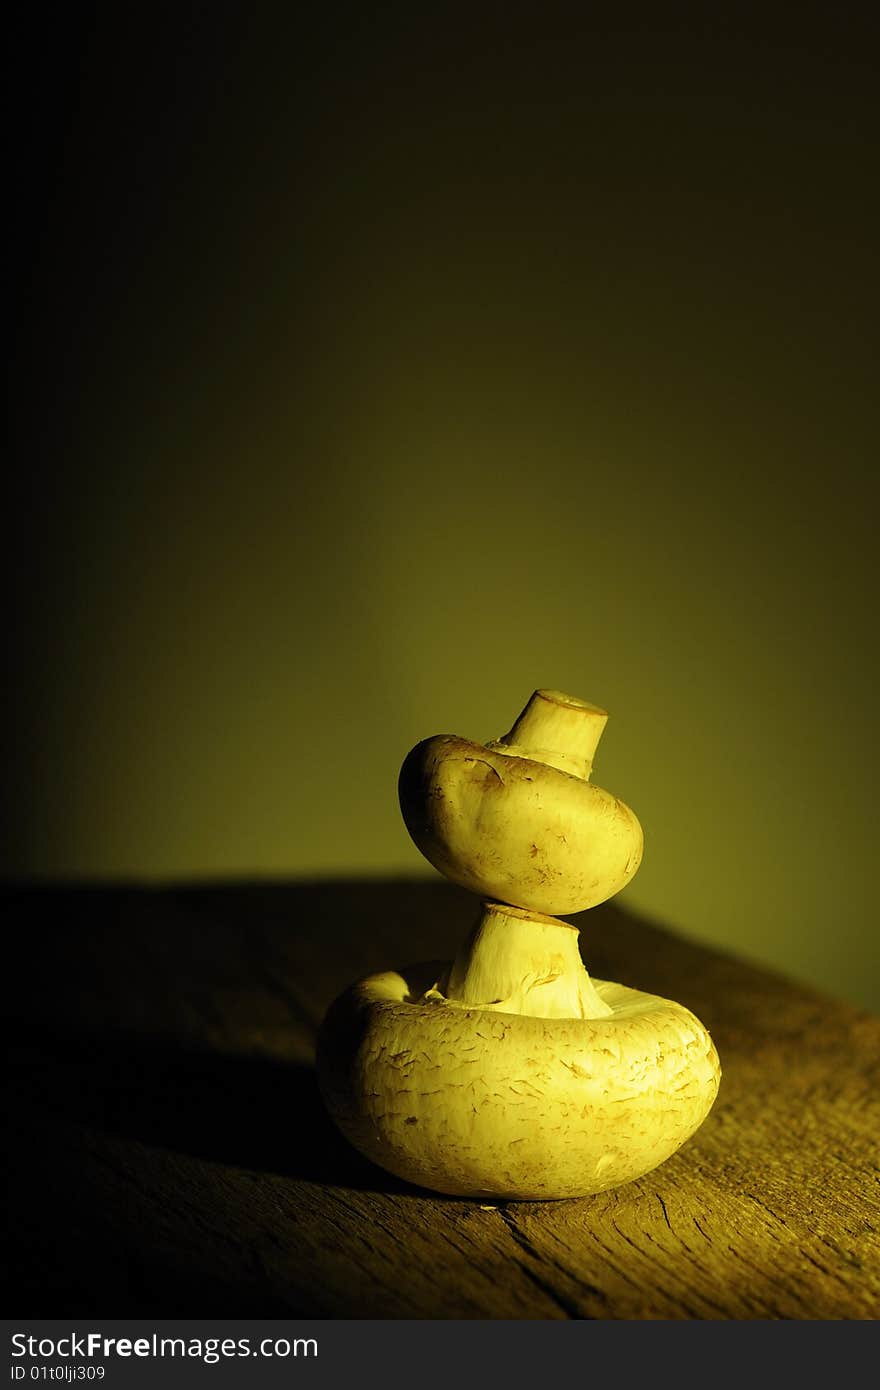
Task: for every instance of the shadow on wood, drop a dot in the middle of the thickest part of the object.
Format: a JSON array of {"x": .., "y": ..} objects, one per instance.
[{"x": 246, "y": 1112}]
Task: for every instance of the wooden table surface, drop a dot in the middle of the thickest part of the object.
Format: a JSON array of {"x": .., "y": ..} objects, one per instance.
[{"x": 170, "y": 1156}]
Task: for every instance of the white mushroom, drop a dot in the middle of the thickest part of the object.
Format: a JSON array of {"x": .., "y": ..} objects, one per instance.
[
  {"x": 509, "y": 1072},
  {"x": 478, "y": 1080},
  {"x": 517, "y": 819}
]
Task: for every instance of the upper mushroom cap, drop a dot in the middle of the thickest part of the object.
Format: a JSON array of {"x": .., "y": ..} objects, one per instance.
[{"x": 510, "y": 826}]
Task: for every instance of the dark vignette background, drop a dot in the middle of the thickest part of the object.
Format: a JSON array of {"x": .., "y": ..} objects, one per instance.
[{"x": 375, "y": 364}]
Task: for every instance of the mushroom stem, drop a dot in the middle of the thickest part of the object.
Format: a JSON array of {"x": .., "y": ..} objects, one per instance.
[
  {"x": 560, "y": 730},
  {"x": 520, "y": 962}
]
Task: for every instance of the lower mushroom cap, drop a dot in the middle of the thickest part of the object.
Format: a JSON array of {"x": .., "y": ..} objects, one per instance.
[{"x": 485, "y": 1104}]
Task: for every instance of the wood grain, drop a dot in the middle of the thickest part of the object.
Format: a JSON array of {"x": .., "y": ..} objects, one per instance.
[{"x": 169, "y": 1155}]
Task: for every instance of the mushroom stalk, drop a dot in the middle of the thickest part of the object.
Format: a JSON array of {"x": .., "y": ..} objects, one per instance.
[
  {"x": 520, "y": 962},
  {"x": 557, "y": 729}
]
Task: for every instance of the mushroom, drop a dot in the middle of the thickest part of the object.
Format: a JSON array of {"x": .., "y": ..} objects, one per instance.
[
  {"x": 518, "y": 819},
  {"x": 509, "y": 1072}
]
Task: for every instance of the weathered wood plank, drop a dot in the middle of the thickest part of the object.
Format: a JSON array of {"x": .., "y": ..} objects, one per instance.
[{"x": 170, "y": 1154}]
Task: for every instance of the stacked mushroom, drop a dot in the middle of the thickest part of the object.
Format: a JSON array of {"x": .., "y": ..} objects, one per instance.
[{"x": 508, "y": 1072}]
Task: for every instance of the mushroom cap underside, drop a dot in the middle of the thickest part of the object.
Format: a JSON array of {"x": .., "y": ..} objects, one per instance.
[{"x": 478, "y": 1103}]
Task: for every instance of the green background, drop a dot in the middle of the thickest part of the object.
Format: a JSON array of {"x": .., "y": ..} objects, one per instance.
[{"x": 381, "y": 367}]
